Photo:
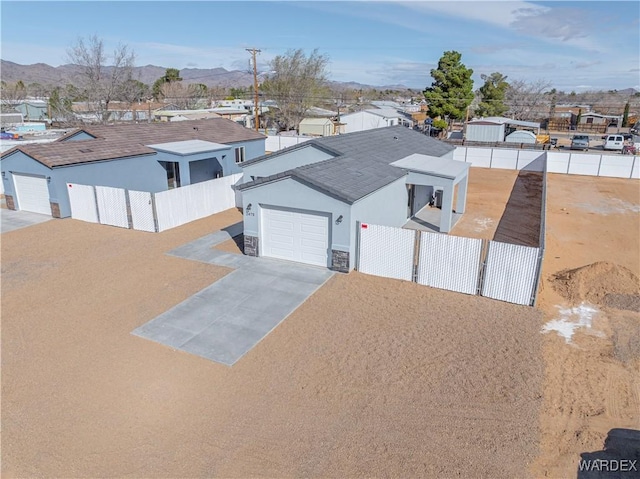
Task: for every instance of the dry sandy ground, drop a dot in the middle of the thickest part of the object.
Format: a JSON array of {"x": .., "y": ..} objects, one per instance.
[
  {"x": 592, "y": 384},
  {"x": 370, "y": 377}
]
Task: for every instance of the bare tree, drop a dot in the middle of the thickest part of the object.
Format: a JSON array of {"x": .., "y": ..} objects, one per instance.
[
  {"x": 102, "y": 77},
  {"x": 296, "y": 83},
  {"x": 527, "y": 100},
  {"x": 184, "y": 97},
  {"x": 12, "y": 94}
]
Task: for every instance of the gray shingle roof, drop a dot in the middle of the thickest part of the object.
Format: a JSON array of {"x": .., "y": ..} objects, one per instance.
[{"x": 362, "y": 164}]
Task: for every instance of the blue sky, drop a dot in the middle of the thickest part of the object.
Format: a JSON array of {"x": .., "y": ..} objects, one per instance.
[{"x": 575, "y": 45}]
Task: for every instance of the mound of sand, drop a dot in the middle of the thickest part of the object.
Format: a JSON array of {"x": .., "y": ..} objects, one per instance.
[{"x": 596, "y": 281}]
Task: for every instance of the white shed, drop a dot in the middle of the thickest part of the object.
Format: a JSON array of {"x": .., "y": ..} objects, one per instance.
[
  {"x": 316, "y": 127},
  {"x": 496, "y": 128},
  {"x": 521, "y": 136}
]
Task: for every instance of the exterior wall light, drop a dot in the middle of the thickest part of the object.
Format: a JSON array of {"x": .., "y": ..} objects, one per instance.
[
  {"x": 4, "y": 174},
  {"x": 249, "y": 207},
  {"x": 48, "y": 179},
  {"x": 339, "y": 220}
]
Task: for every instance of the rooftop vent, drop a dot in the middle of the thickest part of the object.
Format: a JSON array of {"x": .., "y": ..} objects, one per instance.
[{"x": 86, "y": 150}]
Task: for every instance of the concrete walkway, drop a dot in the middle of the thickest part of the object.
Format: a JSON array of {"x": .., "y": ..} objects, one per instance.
[
  {"x": 428, "y": 219},
  {"x": 13, "y": 220},
  {"x": 228, "y": 318}
]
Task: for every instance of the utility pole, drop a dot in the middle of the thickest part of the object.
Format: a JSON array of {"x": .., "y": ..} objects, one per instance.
[{"x": 256, "y": 108}]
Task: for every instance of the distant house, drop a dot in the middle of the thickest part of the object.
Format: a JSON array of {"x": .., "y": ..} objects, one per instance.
[
  {"x": 149, "y": 157},
  {"x": 118, "y": 111},
  {"x": 182, "y": 115},
  {"x": 9, "y": 116},
  {"x": 497, "y": 128},
  {"x": 374, "y": 118},
  {"x": 598, "y": 119},
  {"x": 33, "y": 110}
]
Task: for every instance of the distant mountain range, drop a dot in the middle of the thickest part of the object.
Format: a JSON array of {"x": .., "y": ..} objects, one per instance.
[{"x": 64, "y": 74}]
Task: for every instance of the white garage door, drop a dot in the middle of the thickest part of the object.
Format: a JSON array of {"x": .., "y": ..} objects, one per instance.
[
  {"x": 296, "y": 236},
  {"x": 32, "y": 193}
]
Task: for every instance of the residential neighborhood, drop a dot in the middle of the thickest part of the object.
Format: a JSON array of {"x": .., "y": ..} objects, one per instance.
[{"x": 283, "y": 256}]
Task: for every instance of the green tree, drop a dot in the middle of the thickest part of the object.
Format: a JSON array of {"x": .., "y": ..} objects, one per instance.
[
  {"x": 452, "y": 89},
  {"x": 625, "y": 115},
  {"x": 170, "y": 75},
  {"x": 492, "y": 95},
  {"x": 237, "y": 93},
  {"x": 298, "y": 80},
  {"x": 60, "y": 105}
]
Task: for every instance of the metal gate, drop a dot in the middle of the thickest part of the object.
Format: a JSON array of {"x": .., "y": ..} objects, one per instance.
[
  {"x": 511, "y": 272},
  {"x": 449, "y": 262}
]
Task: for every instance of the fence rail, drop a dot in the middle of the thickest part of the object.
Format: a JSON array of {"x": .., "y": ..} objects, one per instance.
[{"x": 152, "y": 212}]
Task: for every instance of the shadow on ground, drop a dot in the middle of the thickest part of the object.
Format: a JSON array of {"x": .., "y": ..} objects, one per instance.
[{"x": 620, "y": 457}]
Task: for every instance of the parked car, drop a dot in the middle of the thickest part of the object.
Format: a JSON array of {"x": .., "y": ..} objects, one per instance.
[
  {"x": 580, "y": 142},
  {"x": 614, "y": 142}
]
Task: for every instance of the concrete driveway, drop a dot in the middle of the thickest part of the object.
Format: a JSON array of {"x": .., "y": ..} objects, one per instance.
[
  {"x": 12, "y": 220},
  {"x": 227, "y": 319}
]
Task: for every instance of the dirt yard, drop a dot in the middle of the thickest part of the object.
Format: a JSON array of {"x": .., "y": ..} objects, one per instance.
[{"x": 370, "y": 377}]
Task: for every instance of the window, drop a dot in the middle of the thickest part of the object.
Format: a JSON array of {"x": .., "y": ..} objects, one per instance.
[{"x": 240, "y": 154}]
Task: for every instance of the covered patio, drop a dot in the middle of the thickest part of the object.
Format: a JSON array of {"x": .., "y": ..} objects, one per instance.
[{"x": 427, "y": 174}]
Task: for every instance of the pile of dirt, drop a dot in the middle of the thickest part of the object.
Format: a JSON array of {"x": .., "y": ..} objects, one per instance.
[{"x": 596, "y": 283}]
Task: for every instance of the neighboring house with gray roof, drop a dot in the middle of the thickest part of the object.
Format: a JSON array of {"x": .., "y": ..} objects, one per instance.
[
  {"x": 149, "y": 157},
  {"x": 303, "y": 203}
]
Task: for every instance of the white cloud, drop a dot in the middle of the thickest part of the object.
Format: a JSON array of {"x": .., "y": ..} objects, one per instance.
[{"x": 502, "y": 14}]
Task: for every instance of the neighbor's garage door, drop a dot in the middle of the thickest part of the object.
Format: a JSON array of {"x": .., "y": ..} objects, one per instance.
[
  {"x": 295, "y": 235},
  {"x": 32, "y": 193}
]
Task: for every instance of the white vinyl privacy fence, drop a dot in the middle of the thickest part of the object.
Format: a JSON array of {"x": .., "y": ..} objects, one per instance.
[
  {"x": 466, "y": 265},
  {"x": 606, "y": 164},
  {"x": 511, "y": 272},
  {"x": 449, "y": 262},
  {"x": 153, "y": 212},
  {"x": 387, "y": 251},
  {"x": 277, "y": 142}
]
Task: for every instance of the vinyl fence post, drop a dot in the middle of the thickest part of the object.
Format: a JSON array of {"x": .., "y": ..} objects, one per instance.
[
  {"x": 599, "y": 166},
  {"x": 357, "y": 266},
  {"x": 633, "y": 164},
  {"x": 483, "y": 266},
  {"x": 127, "y": 202},
  {"x": 491, "y": 159},
  {"x": 569, "y": 163},
  {"x": 154, "y": 212},
  {"x": 416, "y": 254},
  {"x": 95, "y": 199}
]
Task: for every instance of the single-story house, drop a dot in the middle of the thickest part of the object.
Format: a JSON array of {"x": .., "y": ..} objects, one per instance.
[
  {"x": 373, "y": 118},
  {"x": 303, "y": 203},
  {"x": 33, "y": 110},
  {"x": 497, "y": 128},
  {"x": 183, "y": 115},
  {"x": 149, "y": 157},
  {"x": 592, "y": 118}
]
